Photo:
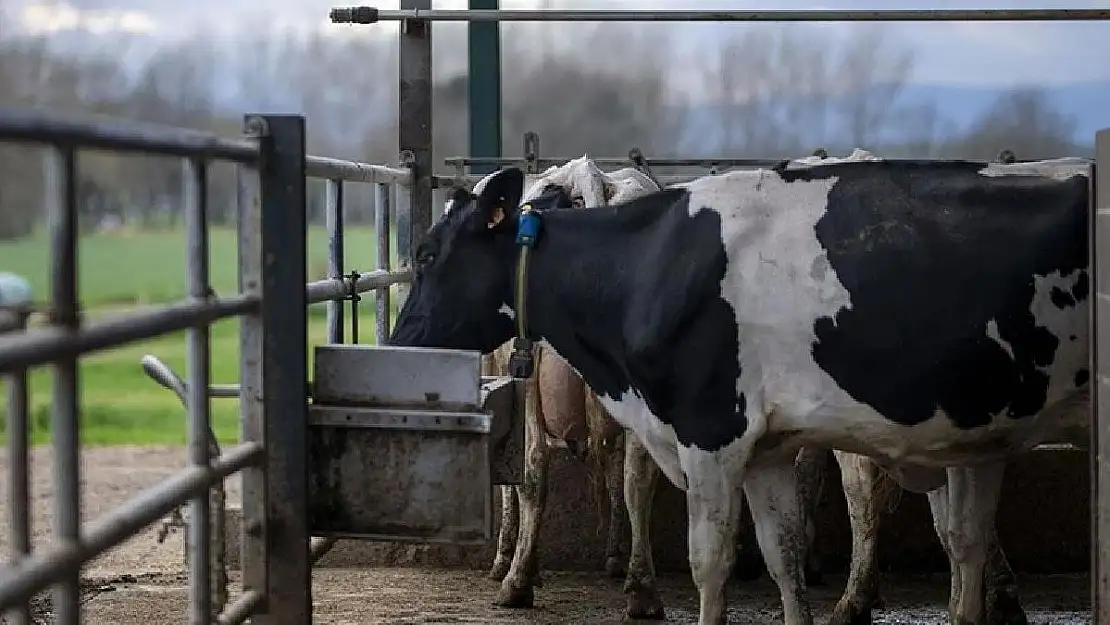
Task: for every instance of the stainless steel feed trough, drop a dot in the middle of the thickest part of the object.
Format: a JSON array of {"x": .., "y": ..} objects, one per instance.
[{"x": 405, "y": 444}]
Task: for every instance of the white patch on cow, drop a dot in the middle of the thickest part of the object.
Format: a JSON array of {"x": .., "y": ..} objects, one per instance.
[
  {"x": 1059, "y": 168},
  {"x": 857, "y": 154},
  {"x": 992, "y": 332},
  {"x": 507, "y": 311},
  {"x": 779, "y": 282}
]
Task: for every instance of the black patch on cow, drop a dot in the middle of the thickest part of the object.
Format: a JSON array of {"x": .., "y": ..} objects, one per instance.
[
  {"x": 1061, "y": 298},
  {"x": 1082, "y": 377},
  {"x": 624, "y": 322},
  {"x": 930, "y": 253},
  {"x": 630, "y": 295}
]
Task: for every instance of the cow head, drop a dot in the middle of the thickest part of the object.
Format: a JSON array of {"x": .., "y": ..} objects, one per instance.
[
  {"x": 462, "y": 291},
  {"x": 462, "y": 271}
]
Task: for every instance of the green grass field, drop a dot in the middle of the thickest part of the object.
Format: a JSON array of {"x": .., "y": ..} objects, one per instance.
[{"x": 120, "y": 404}]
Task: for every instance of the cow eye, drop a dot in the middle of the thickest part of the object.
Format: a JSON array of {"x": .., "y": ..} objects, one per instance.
[{"x": 425, "y": 258}]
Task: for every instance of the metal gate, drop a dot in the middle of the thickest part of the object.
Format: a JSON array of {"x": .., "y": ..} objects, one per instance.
[{"x": 272, "y": 455}]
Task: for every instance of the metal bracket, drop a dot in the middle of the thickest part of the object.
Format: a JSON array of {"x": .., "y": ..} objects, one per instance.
[{"x": 531, "y": 152}]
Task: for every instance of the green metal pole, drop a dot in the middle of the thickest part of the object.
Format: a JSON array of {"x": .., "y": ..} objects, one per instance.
[{"x": 484, "y": 71}]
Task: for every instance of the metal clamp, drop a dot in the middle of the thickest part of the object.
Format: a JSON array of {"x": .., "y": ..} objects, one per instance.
[
  {"x": 521, "y": 362},
  {"x": 354, "y": 15},
  {"x": 351, "y": 282}
]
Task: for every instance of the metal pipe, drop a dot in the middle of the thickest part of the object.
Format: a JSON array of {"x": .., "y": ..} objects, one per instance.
[
  {"x": 19, "y": 483},
  {"x": 544, "y": 163},
  {"x": 370, "y": 15},
  {"x": 18, "y": 583},
  {"x": 31, "y": 126},
  {"x": 382, "y": 229},
  {"x": 61, "y": 181},
  {"x": 45, "y": 345},
  {"x": 251, "y": 414},
  {"x": 351, "y": 171},
  {"x": 195, "y": 179},
  {"x": 330, "y": 289},
  {"x": 334, "y": 215},
  {"x": 241, "y": 609}
]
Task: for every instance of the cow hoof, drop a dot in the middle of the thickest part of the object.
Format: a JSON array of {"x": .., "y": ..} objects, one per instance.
[
  {"x": 613, "y": 567},
  {"x": 644, "y": 603},
  {"x": 850, "y": 614},
  {"x": 1004, "y": 608},
  {"x": 512, "y": 597},
  {"x": 814, "y": 577},
  {"x": 499, "y": 570}
]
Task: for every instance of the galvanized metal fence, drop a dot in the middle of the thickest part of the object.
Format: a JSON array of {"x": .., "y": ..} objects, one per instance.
[{"x": 272, "y": 454}]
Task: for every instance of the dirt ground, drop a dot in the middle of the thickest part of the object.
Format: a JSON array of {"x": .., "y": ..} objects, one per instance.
[{"x": 143, "y": 582}]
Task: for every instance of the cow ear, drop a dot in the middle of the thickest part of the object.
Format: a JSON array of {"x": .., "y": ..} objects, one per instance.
[{"x": 501, "y": 196}]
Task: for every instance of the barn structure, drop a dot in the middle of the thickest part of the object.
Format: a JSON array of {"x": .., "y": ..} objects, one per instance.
[{"x": 288, "y": 518}]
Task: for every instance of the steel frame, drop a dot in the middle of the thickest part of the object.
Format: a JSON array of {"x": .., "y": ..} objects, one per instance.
[{"x": 277, "y": 558}]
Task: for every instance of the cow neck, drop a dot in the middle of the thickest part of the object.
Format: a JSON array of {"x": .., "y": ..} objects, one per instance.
[{"x": 574, "y": 284}]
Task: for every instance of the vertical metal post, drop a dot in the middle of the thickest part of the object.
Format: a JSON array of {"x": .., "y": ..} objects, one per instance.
[
  {"x": 62, "y": 215},
  {"x": 19, "y": 499},
  {"x": 532, "y": 152},
  {"x": 484, "y": 72},
  {"x": 415, "y": 129},
  {"x": 254, "y": 529},
  {"x": 381, "y": 228},
  {"x": 335, "y": 219},
  {"x": 195, "y": 182},
  {"x": 284, "y": 369},
  {"x": 1100, "y": 361}
]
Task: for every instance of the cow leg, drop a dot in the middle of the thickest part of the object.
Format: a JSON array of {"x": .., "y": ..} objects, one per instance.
[
  {"x": 861, "y": 480},
  {"x": 713, "y": 505},
  {"x": 812, "y": 466},
  {"x": 510, "y": 512},
  {"x": 964, "y": 516},
  {"x": 641, "y": 474},
  {"x": 517, "y": 587},
  {"x": 506, "y": 534},
  {"x": 618, "y": 515},
  {"x": 772, "y": 489},
  {"x": 1002, "y": 602}
]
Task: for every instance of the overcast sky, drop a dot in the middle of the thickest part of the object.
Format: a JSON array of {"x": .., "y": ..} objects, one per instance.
[{"x": 988, "y": 54}]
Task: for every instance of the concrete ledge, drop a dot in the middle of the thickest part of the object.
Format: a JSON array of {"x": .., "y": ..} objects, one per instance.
[{"x": 1044, "y": 525}]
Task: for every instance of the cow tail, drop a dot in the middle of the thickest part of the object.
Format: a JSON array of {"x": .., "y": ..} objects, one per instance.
[{"x": 596, "y": 453}]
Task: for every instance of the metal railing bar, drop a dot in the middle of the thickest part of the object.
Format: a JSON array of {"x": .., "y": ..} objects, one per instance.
[
  {"x": 19, "y": 482},
  {"x": 241, "y": 608},
  {"x": 18, "y": 583},
  {"x": 370, "y": 15},
  {"x": 351, "y": 171},
  {"x": 61, "y": 181},
  {"x": 471, "y": 179},
  {"x": 381, "y": 229},
  {"x": 333, "y": 215},
  {"x": 44, "y": 345},
  {"x": 329, "y": 289},
  {"x": 30, "y": 126},
  {"x": 551, "y": 161},
  {"x": 195, "y": 184}
]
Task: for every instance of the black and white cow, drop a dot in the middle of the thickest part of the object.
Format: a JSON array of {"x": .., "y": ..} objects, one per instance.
[
  {"x": 559, "y": 413},
  {"x": 931, "y": 315}
]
